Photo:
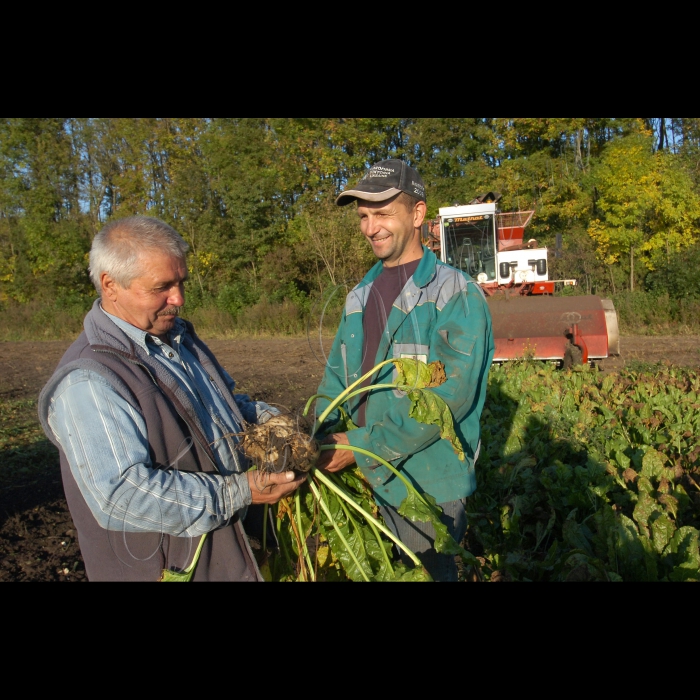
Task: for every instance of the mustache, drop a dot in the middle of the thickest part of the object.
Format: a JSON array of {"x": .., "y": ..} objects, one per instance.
[{"x": 171, "y": 311}]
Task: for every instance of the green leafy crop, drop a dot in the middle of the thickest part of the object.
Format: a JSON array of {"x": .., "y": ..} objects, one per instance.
[
  {"x": 340, "y": 518},
  {"x": 588, "y": 476}
]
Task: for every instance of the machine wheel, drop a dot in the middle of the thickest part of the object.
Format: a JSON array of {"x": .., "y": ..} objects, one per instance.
[{"x": 572, "y": 356}]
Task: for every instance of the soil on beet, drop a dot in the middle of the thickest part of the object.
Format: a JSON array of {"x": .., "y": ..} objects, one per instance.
[{"x": 37, "y": 537}]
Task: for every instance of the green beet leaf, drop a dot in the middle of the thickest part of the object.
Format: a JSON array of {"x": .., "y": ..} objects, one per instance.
[
  {"x": 682, "y": 573},
  {"x": 176, "y": 576},
  {"x": 644, "y": 509},
  {"x": 635, "y": 557},
  {"x": 185, "y": 575},
  {"x": 429, "y": 408},
  {"x": 414, "y": 374},
  {"x": 355, "y": 486},
  {"x": 372, "y": 547},
  {"x": 384, "y": 574},
  {"x": 684, "y": 548},
  {"x": 662, "y": 531},
  {"x": 416, "y": 509},
  {"x": 446, "y": 544},
  {"x": 575, "y": 535},
  {"x": 622, "y": 459},
  {"x": 653, "y": 465},
  {"x": 404, "y": 575},
  {"x": 356, "y": 543}
]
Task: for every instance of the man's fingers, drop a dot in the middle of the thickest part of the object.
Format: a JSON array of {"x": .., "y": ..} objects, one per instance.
[
  {"x": 270, "y": 481},
  {"x": 269, "y": 488},
  {"x": 336, "y": 439},
  {"x": 335, "y": 460},
  {"x": 281, "y": 478},
  {"x": 288, "y": 481}
]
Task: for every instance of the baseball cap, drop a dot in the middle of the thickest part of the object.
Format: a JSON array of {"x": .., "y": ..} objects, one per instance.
[{"x": 383, "y": 181}]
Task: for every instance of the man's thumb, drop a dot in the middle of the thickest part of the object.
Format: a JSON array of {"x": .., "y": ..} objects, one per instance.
[{"x": 281, "y": 478}]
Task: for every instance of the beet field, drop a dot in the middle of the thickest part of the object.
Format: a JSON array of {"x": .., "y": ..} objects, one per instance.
[{"x": 583, "y": 476}]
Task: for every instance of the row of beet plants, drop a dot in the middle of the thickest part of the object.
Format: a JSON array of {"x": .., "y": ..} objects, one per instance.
[{"x": 588, "y": 476}]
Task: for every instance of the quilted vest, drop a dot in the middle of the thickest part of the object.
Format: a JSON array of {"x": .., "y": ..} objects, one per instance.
[{"x": 114, "y": 555}]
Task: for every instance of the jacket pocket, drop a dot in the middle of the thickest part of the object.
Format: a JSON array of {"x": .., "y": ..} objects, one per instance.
[
  {"x": 454, "y": 347},
  {"x": 461, "y": 343}
]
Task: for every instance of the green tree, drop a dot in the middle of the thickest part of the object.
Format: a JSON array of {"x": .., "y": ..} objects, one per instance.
[
  {"x": 44, "y": 235},
  {"x": 455, "y": 157}
]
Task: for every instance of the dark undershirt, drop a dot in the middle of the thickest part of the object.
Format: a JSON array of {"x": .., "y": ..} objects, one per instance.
[{"x": 384, "y": 292}]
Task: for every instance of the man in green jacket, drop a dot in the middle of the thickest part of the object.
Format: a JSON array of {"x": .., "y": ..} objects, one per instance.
[{"x": 409, "y": 305}]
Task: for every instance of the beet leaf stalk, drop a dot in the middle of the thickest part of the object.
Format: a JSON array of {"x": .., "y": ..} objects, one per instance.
[
  {"x": 340, "y": 508},
  {"x": 185, "y": 575},
  {"x": 339, "y": 532},
  {"x": 302, "y": 535},
  {"x": 342, "y": 397},
  {"x": 416, "y": 507},
  {"x": 415, "y": 378},
  {"x": 324, "y": 479}
]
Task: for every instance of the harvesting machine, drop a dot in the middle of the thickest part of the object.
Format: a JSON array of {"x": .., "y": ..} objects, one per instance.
[{"x": 528, "y": 321}]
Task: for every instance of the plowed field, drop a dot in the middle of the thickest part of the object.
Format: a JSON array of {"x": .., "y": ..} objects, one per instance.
[{"x": 37, "y": 539}]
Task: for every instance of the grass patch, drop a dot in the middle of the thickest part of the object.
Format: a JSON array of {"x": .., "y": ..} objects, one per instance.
[
  {"x": 641, "y": 367},
  {"x": 641, "y": 313},
  {"x": 261, "y": 319},
  {"x": 42, "y": 320},
  {"x": 37, "y": 320}
]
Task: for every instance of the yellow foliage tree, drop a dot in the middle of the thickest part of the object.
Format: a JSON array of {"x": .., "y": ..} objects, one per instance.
[{"x": 646, "y": 203}]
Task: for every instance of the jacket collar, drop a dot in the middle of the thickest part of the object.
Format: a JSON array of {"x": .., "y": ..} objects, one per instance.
[
  {"x": 104, "y": 334},
  {"x": 421, "y": 277}
]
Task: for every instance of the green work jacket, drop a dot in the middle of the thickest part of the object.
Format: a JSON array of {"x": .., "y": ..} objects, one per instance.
[{"x": 440, "y": 314}]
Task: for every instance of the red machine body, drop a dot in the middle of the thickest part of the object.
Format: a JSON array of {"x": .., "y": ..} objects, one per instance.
[{"x": 528, "y": 321}]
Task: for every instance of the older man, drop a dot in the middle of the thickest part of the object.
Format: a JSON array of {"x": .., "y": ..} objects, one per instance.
[
  {"x": 146, "y": 420},
  {"x": 409, "y": 305}
]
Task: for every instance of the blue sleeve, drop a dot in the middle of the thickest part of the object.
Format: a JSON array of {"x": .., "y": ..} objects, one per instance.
[{"x": 105, "y": 442}]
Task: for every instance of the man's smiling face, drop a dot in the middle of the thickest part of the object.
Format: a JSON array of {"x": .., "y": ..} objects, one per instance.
[{"x": 390, "y": 229}]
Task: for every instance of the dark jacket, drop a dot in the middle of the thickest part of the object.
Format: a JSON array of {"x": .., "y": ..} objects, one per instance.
[{"x": 170, "y": 419}]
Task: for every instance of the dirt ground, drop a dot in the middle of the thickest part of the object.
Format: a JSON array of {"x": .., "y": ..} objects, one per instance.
[
  {"x": 37, "y": 538},
  {"x": 683, "y": 351}
]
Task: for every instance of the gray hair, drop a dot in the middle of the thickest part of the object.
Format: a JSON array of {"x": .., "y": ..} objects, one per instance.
[{"x": 118, "y": 247}]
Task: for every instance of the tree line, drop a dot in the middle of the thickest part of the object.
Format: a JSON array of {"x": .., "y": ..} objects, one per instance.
[{"x": 254, "y": 197}]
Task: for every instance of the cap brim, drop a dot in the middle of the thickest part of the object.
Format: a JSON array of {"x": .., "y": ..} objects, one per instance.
[{"x": 351, "y": 195}]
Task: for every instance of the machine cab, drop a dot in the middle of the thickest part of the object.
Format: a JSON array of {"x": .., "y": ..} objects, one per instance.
[
  {"x": 488, "y": 245},
  {"x": 468, "y": 240}
]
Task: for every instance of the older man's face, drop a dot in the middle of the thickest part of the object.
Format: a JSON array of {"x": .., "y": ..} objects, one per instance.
[{"x": 154, "y": 298}]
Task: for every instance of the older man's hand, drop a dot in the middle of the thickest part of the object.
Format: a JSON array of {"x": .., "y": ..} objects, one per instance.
[
  {"x": 270, "y": 488},
  {"x": 335, "y": 460}
]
